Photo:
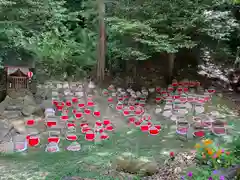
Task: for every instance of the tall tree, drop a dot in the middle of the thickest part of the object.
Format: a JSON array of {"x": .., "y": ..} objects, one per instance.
[{"x": 102, "y": 42}]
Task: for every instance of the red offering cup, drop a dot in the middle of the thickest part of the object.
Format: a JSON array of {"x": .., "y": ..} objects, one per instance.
[
  {"x": 153, "y": 131},
  {"x": 54, "y": 139},
  {"x": 89, "y": 136},
  {"x": 33, "y": 141}
]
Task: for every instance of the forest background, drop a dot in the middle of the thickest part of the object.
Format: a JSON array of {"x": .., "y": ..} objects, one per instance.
[{"x": 74, "y": 37}]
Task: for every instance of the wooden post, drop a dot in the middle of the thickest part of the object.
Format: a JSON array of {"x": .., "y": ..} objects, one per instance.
[{"x": 27, "y": 83}]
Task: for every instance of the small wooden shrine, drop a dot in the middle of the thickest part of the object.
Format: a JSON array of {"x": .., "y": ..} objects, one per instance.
[
  {"x": 16, "y": 74},
  {"x": 17, "y": 77}
]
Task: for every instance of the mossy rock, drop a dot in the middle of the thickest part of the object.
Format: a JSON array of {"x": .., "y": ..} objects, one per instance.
[{"x": 140, "y": 166}]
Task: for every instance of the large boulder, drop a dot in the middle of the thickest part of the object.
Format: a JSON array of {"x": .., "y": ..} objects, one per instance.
[
  {"x": 130, "y": 164},
  {"x": 29, "y": 100},
  {"x": 29, "y": 106},
  {"x": 28, "y": 110},
  {"x": 19, "y": 126},
  {"x": 39, "y": 111},
  {"x": 75, "y": 178}
]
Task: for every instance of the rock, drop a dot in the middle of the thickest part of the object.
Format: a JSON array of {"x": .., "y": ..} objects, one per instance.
[
  {"x": 7, "y": 147},
  {"x": 166, "y": 162},
  {"x": 13, "y": 108},
  {"x": 177, "y": 170},
  {"x": 38, "y": 99},
  {"x": 28, "y": 110},
  {"x": 29, "y": 100},
  {"x": 48, "y": 94},
  {"x": 6, "y": 138},
  {"x": 3, "y": 125},
  {"x": 7, "y": 100},
  {"x": 29, "y": 106},
  {"x": 46, "y": 104},
  {"x": 3, "y": 133},
  {"x": 19, "y": 125},
  {"x": 2, "y": 107},
  {"x": 38, "y": 111},
  {"x": 149, "y": 169},
  {"x": 12, "y": 114},
  {"x": 7, "y": 132},
  {"x": 135, "y": 165},
  {"x": 17, "y": 101},
  {"x": 75, "y": 178}
]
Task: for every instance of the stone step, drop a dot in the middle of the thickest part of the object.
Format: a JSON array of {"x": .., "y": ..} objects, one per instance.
[
  {"x": 12, "y": 114},
  {"x": 13, "y": 108}
]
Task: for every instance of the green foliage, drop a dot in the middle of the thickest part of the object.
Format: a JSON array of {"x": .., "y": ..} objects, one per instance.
[
  {"x": 41, "y": 27},
  {"x": 60, "y": 52},
  {"x": 220, "y": 24},
  {"x": 138, "y": 29},
  {"x": 63, "y": 35},
  {"x": 236, "y": 147},
  {"x": 214, "y": 160}
]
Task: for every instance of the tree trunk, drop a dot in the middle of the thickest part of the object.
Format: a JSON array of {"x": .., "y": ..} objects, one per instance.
[
  {"x": 171, "y": 59},
  {"x": 101, "y": 46}
]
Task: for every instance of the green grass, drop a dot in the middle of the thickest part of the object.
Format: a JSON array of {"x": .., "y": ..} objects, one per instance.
[{"x": 94, "y": 160}]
